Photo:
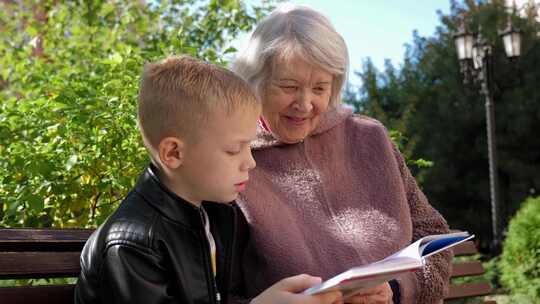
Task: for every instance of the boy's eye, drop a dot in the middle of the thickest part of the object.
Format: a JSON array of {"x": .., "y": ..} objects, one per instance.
[{"x": 233, "y": 152}]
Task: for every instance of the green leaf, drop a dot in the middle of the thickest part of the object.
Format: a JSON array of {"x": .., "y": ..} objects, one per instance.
[
  {"x": 115, "y": 59},
  {"x": 230, "y": 50},
  {"x": 107, "y": 8},
  {"x": 71, "y": 162},
  {"x": 31, "y": 31},
  {"x": 35, "y": 203},
  {"x": 5, "y": 73}
]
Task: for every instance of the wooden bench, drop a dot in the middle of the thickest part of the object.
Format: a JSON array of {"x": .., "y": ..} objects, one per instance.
[
  {"x": 36, "y": 254},
  {"x": 466, "y": 269},
  {"x": 54, "y": 253}
]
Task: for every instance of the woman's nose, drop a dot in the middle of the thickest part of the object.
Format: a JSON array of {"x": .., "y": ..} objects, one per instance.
[{"x": 303, "y": 101}]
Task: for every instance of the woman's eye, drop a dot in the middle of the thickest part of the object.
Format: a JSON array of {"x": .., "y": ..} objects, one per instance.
[
  {"x": 319, "y": 90},
  {"x": 233, "y": 152},
  {"x": 289, "y": 88}
]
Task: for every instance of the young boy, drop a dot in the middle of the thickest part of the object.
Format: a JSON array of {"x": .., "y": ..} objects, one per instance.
[{"x": 171, "y": 241}]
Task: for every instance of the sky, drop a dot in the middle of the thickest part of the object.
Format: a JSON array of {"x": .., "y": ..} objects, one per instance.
[{"x": 378, "y": 29}]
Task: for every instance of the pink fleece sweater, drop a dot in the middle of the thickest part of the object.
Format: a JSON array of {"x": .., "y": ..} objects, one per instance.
[{"x": 341, "y": 198}]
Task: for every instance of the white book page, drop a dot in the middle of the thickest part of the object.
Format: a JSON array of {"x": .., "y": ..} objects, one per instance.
[
  {"x": 407, "y": 259},
  {"x": 412, "y": 251},
  {"x": 362, "y": 277}
]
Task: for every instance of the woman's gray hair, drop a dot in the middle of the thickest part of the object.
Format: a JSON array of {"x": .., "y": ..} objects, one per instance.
[{"x": 289, "y": 31}]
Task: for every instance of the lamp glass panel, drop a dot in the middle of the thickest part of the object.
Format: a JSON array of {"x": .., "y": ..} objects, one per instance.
[
  {"x": 477, "y": 60},
  {"x": 516, "y": 44},
  {"x": 469, "y": 41},
  {"x": 460, "y": 47},
  {"x": 508, "y": 45}
]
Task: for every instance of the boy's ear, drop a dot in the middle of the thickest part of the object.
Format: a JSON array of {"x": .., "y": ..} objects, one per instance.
[{"x": 171, "y": 152}]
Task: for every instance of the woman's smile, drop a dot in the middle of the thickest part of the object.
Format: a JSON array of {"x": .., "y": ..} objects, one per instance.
[{"x": 299, "y": 121}]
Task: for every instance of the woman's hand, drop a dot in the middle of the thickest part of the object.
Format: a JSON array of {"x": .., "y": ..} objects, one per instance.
[
  {"x": 288, "y": 291},
  {"x": 380, "y": 294}
]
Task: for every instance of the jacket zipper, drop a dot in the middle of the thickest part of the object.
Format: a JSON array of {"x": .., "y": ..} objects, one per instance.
[
  {"x": 229, "y": 258},
  {"x": 214, "y": 292}
]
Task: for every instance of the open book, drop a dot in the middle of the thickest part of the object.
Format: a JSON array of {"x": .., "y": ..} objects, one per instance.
[{"x": 408, "y": 259}]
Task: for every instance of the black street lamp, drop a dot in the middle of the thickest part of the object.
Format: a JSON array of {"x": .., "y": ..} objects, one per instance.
[{"x": 475, "y": 56}]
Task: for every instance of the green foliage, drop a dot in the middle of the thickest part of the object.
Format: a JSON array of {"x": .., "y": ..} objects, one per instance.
[
  {"x": 400, "y": 141},
  {"x": 69, "y": 73},
  {"x": 493, "y": 271},
  {"x": 36, "y": 282},
  {"x": 520, "y": 260}
]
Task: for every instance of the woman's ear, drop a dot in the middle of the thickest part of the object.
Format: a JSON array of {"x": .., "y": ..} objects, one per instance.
[{"x": 171, "y": 152}]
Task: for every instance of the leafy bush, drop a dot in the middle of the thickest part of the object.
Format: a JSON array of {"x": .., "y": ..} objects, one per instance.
[
  {"x": 520, "y": 260},
  {"x": 493, "y": 272},
  {"x": 69, "y": 74}
]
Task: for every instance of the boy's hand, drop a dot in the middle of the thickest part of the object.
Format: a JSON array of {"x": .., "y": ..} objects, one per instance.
[
  {"x": 380, "y": 294},
  {"x": 288, "y": 291}
]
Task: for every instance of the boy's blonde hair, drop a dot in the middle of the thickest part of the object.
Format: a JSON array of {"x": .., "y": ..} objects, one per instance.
[{"x": 178, "y": 94}]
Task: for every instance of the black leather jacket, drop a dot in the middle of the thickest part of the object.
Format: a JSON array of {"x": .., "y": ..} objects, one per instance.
[{"x": 153, "y": 249}]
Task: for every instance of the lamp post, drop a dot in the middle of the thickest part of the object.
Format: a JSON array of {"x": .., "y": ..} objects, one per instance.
[{"x": 475, "y": 56}]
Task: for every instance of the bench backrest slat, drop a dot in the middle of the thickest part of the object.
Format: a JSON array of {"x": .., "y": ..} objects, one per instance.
[
  {"x": 469, "y": 290},
  {"x": 57, "y": 294},
  {"x": 23, "y": 239},
  {"x": 467, "y": 269},
  {"x": 27, "y": 265},
  {"x": 465, "y": 248}
]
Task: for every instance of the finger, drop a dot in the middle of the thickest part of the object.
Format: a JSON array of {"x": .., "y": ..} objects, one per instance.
[
  {"x": 325, "y": 298},
  {"x": 298, "y": 283},
  {"x": 357, "y": 299},
  {"x": 329, "y": 297},
  {"x": 376, "y": 299},
  {"x": 380, "y": 298},
  {"x": 383, "y": 288},
  {"x": 367, "y": 292},
  {"x": 339, "y": 301}
]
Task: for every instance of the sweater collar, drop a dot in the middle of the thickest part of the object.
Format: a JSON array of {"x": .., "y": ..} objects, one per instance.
[{"x": 330, "y": 119}]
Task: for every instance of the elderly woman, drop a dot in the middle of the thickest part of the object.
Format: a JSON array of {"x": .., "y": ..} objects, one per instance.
[{"x": 330, "y": 190}]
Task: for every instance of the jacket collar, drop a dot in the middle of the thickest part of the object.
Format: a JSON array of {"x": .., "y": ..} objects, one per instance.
[
  {"x": 170, "y": 205},
  {"x": 330, "y": 119}
]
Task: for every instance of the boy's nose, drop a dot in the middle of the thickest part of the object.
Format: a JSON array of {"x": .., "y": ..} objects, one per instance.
[{"x": 249, "y": 163}]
